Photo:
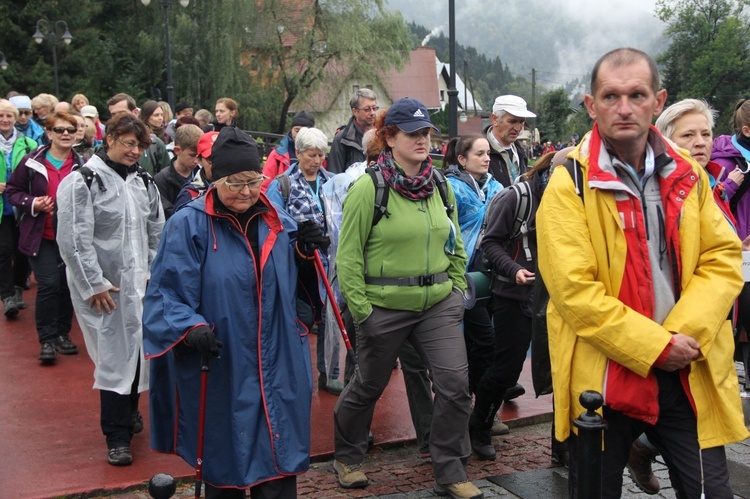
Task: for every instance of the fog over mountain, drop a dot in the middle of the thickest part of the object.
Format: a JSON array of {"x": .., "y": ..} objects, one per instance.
[{"x": 561, "y": 39}]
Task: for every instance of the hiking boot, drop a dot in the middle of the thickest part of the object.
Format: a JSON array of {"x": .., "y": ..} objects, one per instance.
[
  {"x": 65, "y": 346},
  {"x": 639, "y": 466},
  {"x": 11, "y": 307},
  {"x": 120, "y": 456},
  {"x": 513, "y": 392},
  {"x": 499, "y": 428},
  {"x": 332, "y": 386},
  {"x": 136, "y": 422},
  {"x": 47, "y": 355},
  {"x": 19, "y": 298},
  {"x": 560, "y": 453},
  {"x": 458, "y": 490},
  {"x": 350, "y": 476},
  {"x": 481, "y": 443}
]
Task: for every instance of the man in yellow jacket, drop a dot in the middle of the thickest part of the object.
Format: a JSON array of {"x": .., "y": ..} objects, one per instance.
[{"x": 642, "y": 271}]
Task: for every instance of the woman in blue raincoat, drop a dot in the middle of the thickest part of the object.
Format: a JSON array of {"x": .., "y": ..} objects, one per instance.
[
  {"x": 224, "y": 282},
  {"x": 468, "y": 161}
]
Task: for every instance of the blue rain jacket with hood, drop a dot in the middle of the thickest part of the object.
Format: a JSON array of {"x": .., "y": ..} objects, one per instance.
[{"x": 260, "y": 389}]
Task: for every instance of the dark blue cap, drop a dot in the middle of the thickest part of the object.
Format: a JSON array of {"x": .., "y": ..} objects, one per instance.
[{"x": 409, "y": 115}]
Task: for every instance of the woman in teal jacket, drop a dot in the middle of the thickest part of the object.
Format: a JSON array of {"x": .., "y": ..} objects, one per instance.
[
  {"x": 13, "y": 264},
  {"x": 403, "y": 280}
]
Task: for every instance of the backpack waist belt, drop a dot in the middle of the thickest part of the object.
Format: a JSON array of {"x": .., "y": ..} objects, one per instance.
[{"x": 418, "y": 280}]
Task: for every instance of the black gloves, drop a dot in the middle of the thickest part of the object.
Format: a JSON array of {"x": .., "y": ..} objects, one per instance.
[
  {"x": 310, "y": 237},
  {"x": 204, "y": 341}
]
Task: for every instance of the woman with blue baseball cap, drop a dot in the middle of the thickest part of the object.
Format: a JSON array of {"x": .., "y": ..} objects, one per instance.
[{"x": 403, "y": 280}]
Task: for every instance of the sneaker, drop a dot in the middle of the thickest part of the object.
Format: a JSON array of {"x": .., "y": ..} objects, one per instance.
[
  {"x": 332, "y": 386},
  {"x": 458, "y": 490},
  {"x": 499, "y": 428},
  {"x": 481, "y": 443},
  {"x": 426, "y": 457},
  {"x": 514, "y": 392},
  {"x": 120, "y": 456},
  {"x": 27, "y": 284},
  {"x": 10, "y": 306},
  {"x": 136, "y": 422},
  {"x": 19, "y": 298},
  {"x": 47, "y": 355},
  {"x": 639, "y": 466},
  {"x": 350, "y": 476},
  {"x": 65, "y": 346}
]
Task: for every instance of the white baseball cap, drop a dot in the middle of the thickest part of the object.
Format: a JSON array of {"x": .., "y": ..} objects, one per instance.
[{"x": 512, "y": 104}]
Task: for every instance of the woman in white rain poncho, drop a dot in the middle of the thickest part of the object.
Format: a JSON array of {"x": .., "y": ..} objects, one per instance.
[{"x": 109, "y": 224}]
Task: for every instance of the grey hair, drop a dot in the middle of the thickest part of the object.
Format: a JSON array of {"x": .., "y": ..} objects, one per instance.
[
  {"x": 665, "y": 122},
  {"x": 361, "y": 93},
  {"x": 499, "y": 113},
  {"x": 310, "y": 138}
]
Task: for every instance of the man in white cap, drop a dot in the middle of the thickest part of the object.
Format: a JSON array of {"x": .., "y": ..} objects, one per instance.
[
  {"x": 507, "y": 161},
  {"x": 24, "y": 124}
]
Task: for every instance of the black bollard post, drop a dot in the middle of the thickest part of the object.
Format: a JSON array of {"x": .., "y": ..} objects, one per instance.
[
  {"x": 591, "y": 427},
  {"x": 162, "y": 486}
]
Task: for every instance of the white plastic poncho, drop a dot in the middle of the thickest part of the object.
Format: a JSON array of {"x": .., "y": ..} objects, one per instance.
[{"x": 108, "y": 238}]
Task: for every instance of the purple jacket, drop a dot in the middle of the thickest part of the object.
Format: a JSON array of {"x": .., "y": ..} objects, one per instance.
[
  {"x": 725, "y": 154},
  {"x": 29, "y": 181}
]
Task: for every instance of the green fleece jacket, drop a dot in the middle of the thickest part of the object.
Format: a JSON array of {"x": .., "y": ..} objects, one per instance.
[
  {"x": 21, "y": 147},
  {"x": 411, "y": 242}
]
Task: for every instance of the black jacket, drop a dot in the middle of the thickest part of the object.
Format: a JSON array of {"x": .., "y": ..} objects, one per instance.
[
  {"x": 346, "y": 148},
  {"x": 169, "y": 183},
  {"x": 498, "y": 167}
]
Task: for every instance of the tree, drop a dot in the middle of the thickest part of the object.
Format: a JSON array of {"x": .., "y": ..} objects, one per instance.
[
  {"x": 305, "y": 44},
  {"x": 555, "y": 109},
  {"x": 708, "y": 55}
]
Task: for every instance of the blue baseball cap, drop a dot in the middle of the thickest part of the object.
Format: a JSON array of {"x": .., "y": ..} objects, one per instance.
[{"x": 409, "y": 115}]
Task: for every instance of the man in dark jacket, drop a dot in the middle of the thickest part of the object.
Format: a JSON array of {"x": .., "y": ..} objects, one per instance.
[
  {"x": 346, "y": 148},
  {"x": 507, "y": 161}
]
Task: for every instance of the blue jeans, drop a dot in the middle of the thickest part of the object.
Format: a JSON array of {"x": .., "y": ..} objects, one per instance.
[{"x": 54, "y": 310}]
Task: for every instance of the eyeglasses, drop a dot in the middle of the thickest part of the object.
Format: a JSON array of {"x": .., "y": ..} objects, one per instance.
[
  {"x": 371, "y": 109},
  {"x": 62, "y": 129},
  {"x": 129, "y": 145},
  {"x": 25, "y": 113},
  {"x": 239, "y": 186}
]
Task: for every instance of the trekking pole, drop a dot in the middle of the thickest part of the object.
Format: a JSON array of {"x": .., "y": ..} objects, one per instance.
[
  {"x": 591, "y": 428},
  {"x": 335, "y": 306},
  {"x": 201, "y": 425}
]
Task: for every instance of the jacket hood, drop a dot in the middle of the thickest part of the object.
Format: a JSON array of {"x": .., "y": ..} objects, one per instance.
[{"x": 723, "y": 148}]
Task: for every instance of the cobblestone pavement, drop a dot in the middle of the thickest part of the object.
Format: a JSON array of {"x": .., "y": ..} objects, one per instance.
[{"x": 397, "y": 472}]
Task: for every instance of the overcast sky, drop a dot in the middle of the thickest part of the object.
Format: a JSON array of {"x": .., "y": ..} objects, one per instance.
[{"x": 591, "y": 28}]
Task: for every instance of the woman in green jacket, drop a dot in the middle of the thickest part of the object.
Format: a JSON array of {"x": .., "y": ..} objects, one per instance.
[
  {"x": 13, "y": 264},
  {"x": 403, "y": 280}
]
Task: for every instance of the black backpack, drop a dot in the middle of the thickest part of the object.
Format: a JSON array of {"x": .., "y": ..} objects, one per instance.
[{"x": 90, "y": 175}]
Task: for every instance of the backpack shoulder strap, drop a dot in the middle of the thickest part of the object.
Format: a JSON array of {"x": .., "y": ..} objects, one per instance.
[
  {"x": 442, "y": 186},
  {"x": 576, "y": 173},
  {"x": 286, "y": 186},
  {"x": 145, "y": 176},
  {"x": 381, "y": 194},
  {"x": 89, "y": 176}
]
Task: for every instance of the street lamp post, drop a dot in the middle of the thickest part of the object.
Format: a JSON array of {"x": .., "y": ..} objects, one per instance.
[
  {"x": 165, "y": 4},
  {"x": 3, "y": 62},
  {"x": 53, "y": 37},
  {"x": 452, "y": 91}
]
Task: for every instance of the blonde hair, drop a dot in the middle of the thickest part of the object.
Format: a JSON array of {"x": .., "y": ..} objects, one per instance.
[
  {"x": 44, "y": 100},
  {"x": 78, "y": 97},
  {"x": 187, "y": 136},
  {"x": 6, "y": 105}
]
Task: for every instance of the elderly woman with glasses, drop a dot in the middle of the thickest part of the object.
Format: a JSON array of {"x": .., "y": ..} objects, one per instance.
[
  {"x": 222, "y": 291},
  {"x": 298, "y": 191},
  {"x": 32, "y": 189},
  {"x": 109, "y": 222}
]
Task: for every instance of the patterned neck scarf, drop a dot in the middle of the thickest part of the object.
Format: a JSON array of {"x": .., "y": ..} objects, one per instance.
[
  {"x": 415, "y": 188},
  {"x": 303, "y": 202},
  {"x": 6, "y": 145}
]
